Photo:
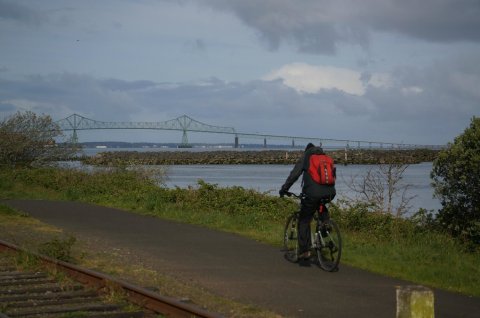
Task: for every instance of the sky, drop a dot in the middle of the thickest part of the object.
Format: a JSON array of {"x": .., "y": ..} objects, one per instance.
[{"x": 376, "y": 70}]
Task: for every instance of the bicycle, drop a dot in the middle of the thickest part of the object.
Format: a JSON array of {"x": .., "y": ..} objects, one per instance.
[{"x": 326, "y": 241}]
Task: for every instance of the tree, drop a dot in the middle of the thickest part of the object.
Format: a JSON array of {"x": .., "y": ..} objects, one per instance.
[
  {"x": 456, "y": 179},
  {"x": 27, "y": 139},
  {"x": 382, "y": 189}
]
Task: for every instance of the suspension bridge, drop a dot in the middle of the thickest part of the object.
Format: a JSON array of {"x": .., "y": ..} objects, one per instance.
[{"x": 186, "y": 124}]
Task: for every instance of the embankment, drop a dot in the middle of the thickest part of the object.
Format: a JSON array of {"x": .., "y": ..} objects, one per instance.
[{"x": 256, "y": 157}]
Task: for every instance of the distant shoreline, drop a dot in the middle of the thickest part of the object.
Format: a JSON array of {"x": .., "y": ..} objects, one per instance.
[{"x": 351, "y": 156}]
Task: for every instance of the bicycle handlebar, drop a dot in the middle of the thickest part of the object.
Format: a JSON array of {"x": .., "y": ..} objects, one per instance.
[
  {"x": 302, "y": 196},
  {"x": 298, "y": 196}
]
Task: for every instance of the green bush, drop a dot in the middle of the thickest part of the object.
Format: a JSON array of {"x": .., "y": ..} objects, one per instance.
[
  {"x": 456, "y": 177},
  {"x": 357, "y": 217},
  {"x": 58, "y": 248},
  {"x": 233, "y": 201}
]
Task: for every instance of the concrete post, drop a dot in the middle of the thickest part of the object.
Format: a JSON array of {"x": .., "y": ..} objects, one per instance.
[{"x": 414, "y": 302}]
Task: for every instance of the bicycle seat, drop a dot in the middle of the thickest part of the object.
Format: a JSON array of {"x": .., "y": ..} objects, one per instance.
[{"x": 325, "y": 201}]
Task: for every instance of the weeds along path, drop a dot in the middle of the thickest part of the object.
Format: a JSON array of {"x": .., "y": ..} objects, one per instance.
[{"x": 236, "y": 267}]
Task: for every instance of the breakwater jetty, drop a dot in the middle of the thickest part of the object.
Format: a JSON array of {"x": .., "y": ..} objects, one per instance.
[{"x": 352, "y": 156}]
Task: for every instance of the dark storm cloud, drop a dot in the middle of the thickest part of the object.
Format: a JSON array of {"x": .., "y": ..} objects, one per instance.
[
  {"x": 318, "y": 26},
  {"x": 431, "y": 20},
  {"x": 301, "y": 23},
  {"x": 10, "y": 10}
]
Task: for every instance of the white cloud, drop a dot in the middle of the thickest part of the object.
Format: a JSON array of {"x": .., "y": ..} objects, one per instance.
[
  {"x": 312, "y": 79},
  {"x": 380, "y": 80},
  {"x": 305, "y": 78},
  {"x": 412, "y": 90}
]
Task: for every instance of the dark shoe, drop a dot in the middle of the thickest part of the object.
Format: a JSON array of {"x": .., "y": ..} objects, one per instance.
[{"x": 304, "y": 262}]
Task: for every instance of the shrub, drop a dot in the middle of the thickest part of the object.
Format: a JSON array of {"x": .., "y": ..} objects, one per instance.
[
  {"x": 57, "y": 248},
  {"x": 27, "y": 139},
  {"x": 456, "y": 178}
]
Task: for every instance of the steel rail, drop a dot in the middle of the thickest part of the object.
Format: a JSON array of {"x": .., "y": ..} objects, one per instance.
[{"x": 138, "y": 295}]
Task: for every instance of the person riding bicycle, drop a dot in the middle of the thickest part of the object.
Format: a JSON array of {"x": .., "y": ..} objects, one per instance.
[{"x": 314, "y": 194}]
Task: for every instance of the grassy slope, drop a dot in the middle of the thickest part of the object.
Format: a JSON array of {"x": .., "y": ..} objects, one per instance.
[{"x": 374, "y": 242}]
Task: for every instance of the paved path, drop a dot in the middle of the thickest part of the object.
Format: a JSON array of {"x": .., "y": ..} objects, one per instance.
[{"x": 240, "y": 268}]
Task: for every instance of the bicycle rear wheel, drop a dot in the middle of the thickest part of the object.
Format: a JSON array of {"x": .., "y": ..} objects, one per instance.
[
  {"x": 328, "y": 246},
  {"x": 290, "y": 238}
]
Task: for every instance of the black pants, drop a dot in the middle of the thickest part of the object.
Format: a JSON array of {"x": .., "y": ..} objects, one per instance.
[{"x": 307, "y": 210}]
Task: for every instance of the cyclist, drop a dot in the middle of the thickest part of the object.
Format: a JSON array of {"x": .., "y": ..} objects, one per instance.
[{"x": 313, "y": 192}]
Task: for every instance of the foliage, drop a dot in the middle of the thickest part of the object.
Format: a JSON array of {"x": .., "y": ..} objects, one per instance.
[
  {"x": 250, "y": 204},
  {"x": 358, "y": 217},
  {"x": 25, "y": 259},
  {"x": 58, "y": 248},
  {"x": 456, "y": 179},
  {"x": 27, "y": 139},
  {"x": 6, "y": 210},
  {"x": 381, "y": 189}
]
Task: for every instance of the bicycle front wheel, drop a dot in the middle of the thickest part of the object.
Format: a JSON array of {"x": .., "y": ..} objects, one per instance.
[
  {"x": 328, "y": 246},
  {"x": 290, "y": 236}
]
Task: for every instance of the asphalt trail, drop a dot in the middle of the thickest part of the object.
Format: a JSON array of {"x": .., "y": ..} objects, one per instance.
[{"x": 237, "y": 267}]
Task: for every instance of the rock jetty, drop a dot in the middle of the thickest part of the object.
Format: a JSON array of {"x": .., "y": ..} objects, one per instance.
[{"x": 116, "y": 158}]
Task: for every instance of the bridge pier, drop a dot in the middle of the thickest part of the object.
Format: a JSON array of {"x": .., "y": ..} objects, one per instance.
[
  {"x": 264, "y": 142},
  {"x": 75, "y": 137},
  {"x": 184, "y": 140},
  {"x": 293, "y": 143},
  {"x": 236, "y": 141}
]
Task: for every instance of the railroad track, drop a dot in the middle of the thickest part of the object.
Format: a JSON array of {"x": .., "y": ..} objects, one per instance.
[{"x": 38, "y": 294}]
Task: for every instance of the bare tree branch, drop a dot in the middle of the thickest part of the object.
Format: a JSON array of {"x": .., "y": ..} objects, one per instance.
[{"x": 382, "y": 189}]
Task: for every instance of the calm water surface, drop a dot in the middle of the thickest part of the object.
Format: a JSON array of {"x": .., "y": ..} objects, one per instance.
[{"x": 269, "y": 178}]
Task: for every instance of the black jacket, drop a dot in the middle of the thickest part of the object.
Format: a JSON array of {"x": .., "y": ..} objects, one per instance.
[{"x": 309, "y": 187}]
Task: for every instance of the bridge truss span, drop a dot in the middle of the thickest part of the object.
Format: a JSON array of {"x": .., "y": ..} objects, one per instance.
[
  {"x": 186, "y": 124},
  {"x": 183, "y": 123}
]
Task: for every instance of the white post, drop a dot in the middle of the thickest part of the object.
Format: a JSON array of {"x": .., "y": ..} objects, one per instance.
[{"x": 415, "y": 302}]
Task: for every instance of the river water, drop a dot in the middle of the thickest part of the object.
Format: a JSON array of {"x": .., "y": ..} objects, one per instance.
[{"x": 269, "y": 178}]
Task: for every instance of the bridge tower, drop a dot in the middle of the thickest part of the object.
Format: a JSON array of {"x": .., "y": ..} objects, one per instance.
[
  {"x": 184, "y": 143},
  {"x": 74, "y": 137}
]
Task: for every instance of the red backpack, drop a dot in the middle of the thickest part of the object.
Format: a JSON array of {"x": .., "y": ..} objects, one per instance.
[{"x": 322, "y": 169}]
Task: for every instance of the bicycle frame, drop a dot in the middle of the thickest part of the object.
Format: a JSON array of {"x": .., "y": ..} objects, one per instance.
[
  {"x": 316, "y": 233},
  {"x": 325, "y": 238}
]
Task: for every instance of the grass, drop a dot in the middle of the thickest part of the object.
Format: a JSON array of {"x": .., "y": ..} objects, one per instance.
[
  {"x": 404, "y": 249},
  {"x": 31, "y": 234},
  {"x": 433, "y": 260}
]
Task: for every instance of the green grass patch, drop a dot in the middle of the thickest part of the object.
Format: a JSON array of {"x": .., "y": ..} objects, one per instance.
[
  {"x": 430, "y": 259},
  {"x": 409, "y": 249}
]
